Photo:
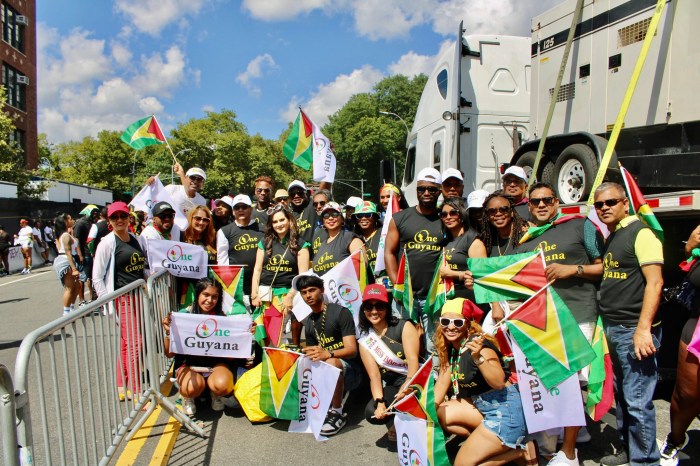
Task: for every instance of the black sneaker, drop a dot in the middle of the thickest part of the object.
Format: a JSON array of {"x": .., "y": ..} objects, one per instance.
[
  {"x": 334, "y": 422},
  {"x": 616, "y": 459}
]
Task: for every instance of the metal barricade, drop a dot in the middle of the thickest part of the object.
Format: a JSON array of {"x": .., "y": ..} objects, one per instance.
[
  {"x": 81, "y": 359},
  {"x": 10, "y": 452}
]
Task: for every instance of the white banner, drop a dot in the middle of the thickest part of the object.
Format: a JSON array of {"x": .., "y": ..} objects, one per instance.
[
  {"x": 545, "y": 409},
  {"x": 324, "y": 158},
  {"x": 382, "y": 354},
  {"x": 150, "y": 195},
  {"x": 206, "y": 335},
  {"x": 180, "y": 259},
  {"x": 342, "y": 287},
  {"x": 411, "y": 439},
  {"x": 317, "y": 381},
  {"x": 379, "y": 265}
]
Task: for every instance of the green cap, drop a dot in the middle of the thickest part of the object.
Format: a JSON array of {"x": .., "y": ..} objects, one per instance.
[{"x": 366, "y": 207}]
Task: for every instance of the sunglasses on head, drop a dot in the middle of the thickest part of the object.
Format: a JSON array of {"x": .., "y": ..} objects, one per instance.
[
  {"x": 320, "y": 203},
  {"x": 430, "y": 189},
  {"x": 504, "y": 209},
  {"x": 333, "y": 214},
  {"x": 548, "y": 201},
  {"x": 197, "y": 218},
  {"x": 608, "y": 202},
  {"x": 456, "y": 323},
  {"x": 276, "y": 208},
  {"x": 121, "y": 216},
  {"x": 449, "y": 213},
  {"x": 262, "y": 190}
]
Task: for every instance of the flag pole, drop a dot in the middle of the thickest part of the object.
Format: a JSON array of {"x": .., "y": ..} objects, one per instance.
[
  {"x": 167, "y": 144},
  {"x": 408, "y": 384},
  {"x": 502, "y": 321}
]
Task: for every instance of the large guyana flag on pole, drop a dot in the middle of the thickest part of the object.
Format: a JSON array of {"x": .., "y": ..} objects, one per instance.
[
  {"x": 639, "y": 206},
  {"x": 441, "y": 289},
  {"x": 507, "y": 277},
  {"x": 549, "y": 337},
  {"x": 143, "y": 133},
  {"x": 279, "y": 386},
  {"x": 231, "y": 279}
]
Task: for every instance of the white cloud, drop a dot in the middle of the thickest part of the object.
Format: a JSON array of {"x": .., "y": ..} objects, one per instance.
[
  {"x": 411, "y": 64},
  {"x": 387, "y": 19},
  {"x": 255, "y": 69},
  {"x": 208, "y": 108},
  {"x": 278, "y": 10},
  {"x": 330, "y": 97},
  {"x": 151, "y": 16},
  {"x": 85, "y": 88}
]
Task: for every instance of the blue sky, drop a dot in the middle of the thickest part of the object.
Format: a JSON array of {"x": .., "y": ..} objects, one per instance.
[{"x": 103, "y": 64}]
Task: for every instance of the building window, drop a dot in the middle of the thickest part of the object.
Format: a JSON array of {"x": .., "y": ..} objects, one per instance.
[
  {"x": 13, "y": 27},
  {"x": 15, "y": 86}
]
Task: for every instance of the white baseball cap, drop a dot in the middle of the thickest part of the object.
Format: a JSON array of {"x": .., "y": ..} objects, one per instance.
[
  {"x": 429, "y": 174},
  {"x": 241, "y": 199},
  {"x": 353, "y": 201},
  {"x": 476, "y": 199},
  {"x": 452, "y": 173},
  {"x": 196, "y": 171},
  {"x": 515, "y": 171},
  {"x": 296, "y": 183},
  {"x": 228, "y": 200}
]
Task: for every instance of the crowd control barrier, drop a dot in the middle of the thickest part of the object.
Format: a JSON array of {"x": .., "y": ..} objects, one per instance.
[{"x": 78, "y": 414}]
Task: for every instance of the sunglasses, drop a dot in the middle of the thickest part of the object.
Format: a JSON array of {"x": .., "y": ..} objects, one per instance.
[
  {"x": 278, "y": 199},
  {"x": 277, "y": 208},
  {"x": 320, "y": 203},
  {"x": 450, "y": 213},
  {"x": 328, "y": 215},
  {"x": 430, "y": 189},
  {"x": 548, "y": 201},
  {"x": 363, "y": 215},
  {"x": 504, "y": 209},
  {"x": 240, "y": 207},
  {"x": 119, "y": 217},
  {"x": 296, "y": 194},
  {"x": 262, "y": 190},
  {"x": 608, "y": 202},
  {"x": 164, "y": 216},
  {"x": 457, "y": 323},
  {"x": 197, "y": 218},
  {"x": 374, "y": 306},
  {"x": 196, "y": 179}
]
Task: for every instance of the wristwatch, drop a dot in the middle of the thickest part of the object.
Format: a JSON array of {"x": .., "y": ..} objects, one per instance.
[
  {"x": 480, "y": 361},
  {"x": 377, "y": 401},
  {"x": 330, "y": 354},
  {"x": 579, "y": 270}
]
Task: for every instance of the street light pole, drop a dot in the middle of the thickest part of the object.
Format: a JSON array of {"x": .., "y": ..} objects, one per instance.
[{"x": 402, "y": 121}]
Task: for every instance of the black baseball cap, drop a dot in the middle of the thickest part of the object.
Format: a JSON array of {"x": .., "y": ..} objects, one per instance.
[{"x": 161, "y": 208}]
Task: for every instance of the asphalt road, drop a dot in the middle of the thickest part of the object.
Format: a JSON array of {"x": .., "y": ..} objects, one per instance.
[{"x": 27, "y": 302}]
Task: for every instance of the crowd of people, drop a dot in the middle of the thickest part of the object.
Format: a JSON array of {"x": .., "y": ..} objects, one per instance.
[{"x": 287, "y": 239}]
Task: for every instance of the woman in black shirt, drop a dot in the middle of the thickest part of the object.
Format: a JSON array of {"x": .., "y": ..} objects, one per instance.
[
  {"x": 367, "y": 225},
  {"x": 336, "y": 243}
]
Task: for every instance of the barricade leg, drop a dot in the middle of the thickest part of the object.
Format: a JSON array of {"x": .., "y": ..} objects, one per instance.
[{"x": 7, "y": 419}]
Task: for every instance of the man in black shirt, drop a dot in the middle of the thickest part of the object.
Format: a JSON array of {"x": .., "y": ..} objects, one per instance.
[
  {"x": 263, "y": 185},
  {"x": 81, "y": 230},
  {"x": 515, "y": 187},
  {"x": 330, "y": 337}
]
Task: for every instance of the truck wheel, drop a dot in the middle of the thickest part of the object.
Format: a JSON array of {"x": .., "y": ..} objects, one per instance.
[
  {"x": 574, "y": 173},
  {"x": 527, "y": 161}
]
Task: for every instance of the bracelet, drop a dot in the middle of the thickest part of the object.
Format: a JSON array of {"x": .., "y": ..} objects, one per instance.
[
  {"x": 379, "y": 400},
  {"x": 480, "y": 361}
]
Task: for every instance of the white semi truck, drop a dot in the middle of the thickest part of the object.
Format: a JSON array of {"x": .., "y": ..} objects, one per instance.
[{"x": 485, "y": 105}]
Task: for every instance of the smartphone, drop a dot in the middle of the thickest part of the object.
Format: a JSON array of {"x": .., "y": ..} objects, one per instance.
[{"x": 655, "y": 342}]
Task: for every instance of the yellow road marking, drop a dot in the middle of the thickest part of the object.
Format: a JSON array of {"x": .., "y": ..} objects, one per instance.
[
  {"x": 166, "y": 443},
  {"x": 133, "y": 448}
]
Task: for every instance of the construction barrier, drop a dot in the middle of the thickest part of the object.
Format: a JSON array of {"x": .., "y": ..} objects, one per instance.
[{"x": 98, "y": 375}]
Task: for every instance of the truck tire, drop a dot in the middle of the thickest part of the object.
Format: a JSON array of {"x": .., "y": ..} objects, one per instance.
[
  {"x": 527, "y": 161},
  {"x": 574, "y": 173}
]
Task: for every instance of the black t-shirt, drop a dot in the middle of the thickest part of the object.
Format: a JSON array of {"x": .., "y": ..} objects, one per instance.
[
  {"x": 422, "y": 237},
  {"x": 320, "y": 235},
  {"x": 456, "y": 255},
  {"x": 260, "y": 217},
  {"x": 102, "y": 231},
  {"x": 307, "y": 221},
  {"x": 371, "y": 248},
  {"x": 330, "y": 254},
  {"x": 243, "y": 248},
  {"x": 327, "y": 329},
  {"x": 80, "y": 232},
  {"x": 470, "y": 380},
  {"x": 282, "y": 262},
  {"x": 393, "y": 339},
  {"x": 504, "y": 247},
  {"x": 129, "y": 262},
  {"x": 5, "y": 239}
]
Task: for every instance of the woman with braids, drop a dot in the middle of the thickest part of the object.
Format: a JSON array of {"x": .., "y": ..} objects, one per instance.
[
  {"x": 281, "y": 256},
  {"x": 501, "y": 231},
  {"x": 483, "y": 405}
]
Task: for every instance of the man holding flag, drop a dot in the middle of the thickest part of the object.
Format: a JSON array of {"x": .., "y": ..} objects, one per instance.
[
  {"x": 572, "y": 248},
  {"x": 629, "y": 298}
]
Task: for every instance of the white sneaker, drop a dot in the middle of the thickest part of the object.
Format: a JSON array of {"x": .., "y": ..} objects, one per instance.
[
  {"x": 24, "y": 271},
  {"x": 217, "y": 404},
  {"x": 188, "y": 406},
  {"x": 669, "y": 452},
  {"x": 560, "y": 459},
  {"x": 230, "y": 401}
]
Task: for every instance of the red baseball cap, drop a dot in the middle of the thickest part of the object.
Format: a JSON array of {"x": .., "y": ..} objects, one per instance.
[
  {"x": 377, "y": 292},
  {"x": 115, "y": 207}
]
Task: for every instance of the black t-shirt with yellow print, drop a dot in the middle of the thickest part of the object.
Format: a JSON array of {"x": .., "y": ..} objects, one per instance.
[
  {"x": 243, "y": 248},
  {"x": 280, "y": 267},
  {"x": 327, "y": 328},
  {"x": 129, "y": 261}
]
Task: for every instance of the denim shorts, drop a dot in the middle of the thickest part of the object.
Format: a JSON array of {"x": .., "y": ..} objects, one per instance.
[
  {"x": 503, "y": 415},
  {"x": 352, "y": 374}
]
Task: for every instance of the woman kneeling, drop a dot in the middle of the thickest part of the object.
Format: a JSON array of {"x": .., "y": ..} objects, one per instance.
[
  {"x": 195, "y": 373},
  {"x": 483, "y": 404}
]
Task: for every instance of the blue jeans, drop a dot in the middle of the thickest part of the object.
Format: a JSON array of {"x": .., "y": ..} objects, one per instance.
[
  {"x": 635, "y": 381},
  {"x": 429, "y": 327}
]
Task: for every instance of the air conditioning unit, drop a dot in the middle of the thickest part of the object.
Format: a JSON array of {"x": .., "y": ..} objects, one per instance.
[
  {"x": 21, "y": 20},
  {"x": 20, "y": 79}
]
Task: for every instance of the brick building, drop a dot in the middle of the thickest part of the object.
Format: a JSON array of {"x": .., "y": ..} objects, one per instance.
[{"x": 18, "y": 59}]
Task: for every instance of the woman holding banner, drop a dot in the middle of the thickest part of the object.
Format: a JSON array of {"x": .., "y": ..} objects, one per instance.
[
  {"x": 120, "y": 261},
  {"x": 483, "y": 406},
  {"x": 389, "y": 350},
  {"x": 282, "y": 255},
  {"x": 195, "y": 373}
]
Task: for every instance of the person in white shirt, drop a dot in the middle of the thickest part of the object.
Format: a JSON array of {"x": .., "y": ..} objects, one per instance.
[
  {"x": 186, "y": 196},
  {"x": 163, "y": 226},
  {"x": 24, "y": 238}
]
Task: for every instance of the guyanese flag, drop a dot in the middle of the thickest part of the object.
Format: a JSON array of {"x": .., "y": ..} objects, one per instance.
[
  {"x": 403, "y": 289},
  {"x": 279, "y": 390},
  {"x": 639, "y": 206},
  {"x": 549, "y": 337},
  {"x": 143, "y": 133},
  {"x": 507, "y": 277},
  {"x": 441, "y": 289},
  {"x": 260, "y": 331},
  {"x": 186, "y": 294},
  {"x": 362, "y": 268},
  {"x": 601, "y": 393},
  {"x": 299, "y": 147},
  {"x": 231, "y": 279}
]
